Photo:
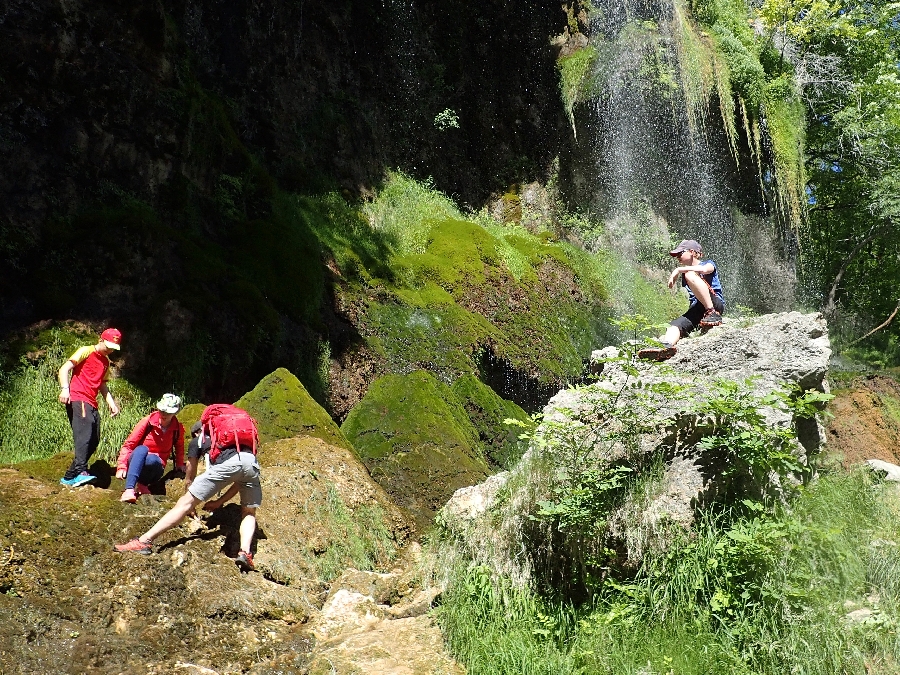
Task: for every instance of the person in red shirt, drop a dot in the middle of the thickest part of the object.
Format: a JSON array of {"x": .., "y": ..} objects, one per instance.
[
  {"x": 89, "y": 370},
  {"x": 144, "y": 454}
]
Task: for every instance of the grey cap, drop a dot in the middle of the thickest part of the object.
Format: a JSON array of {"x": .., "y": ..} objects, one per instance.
[{"x": 687, "y": 245}]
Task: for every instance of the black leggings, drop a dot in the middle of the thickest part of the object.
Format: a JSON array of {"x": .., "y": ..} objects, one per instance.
[
  {"x": 690, "y": 320},
  {"x": 85, "y": 421}
]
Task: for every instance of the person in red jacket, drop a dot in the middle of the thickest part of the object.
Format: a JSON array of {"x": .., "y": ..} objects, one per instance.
[
  {"x": 89, "y": 370},
  {"x": 144, "y": 454}
]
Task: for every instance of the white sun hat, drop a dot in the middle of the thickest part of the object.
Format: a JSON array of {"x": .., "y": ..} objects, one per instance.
[{"x": 169, "y": 403}]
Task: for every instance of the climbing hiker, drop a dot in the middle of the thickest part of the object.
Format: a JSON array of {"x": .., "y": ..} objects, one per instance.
[
  {"x": 144, "y": 454},
  {"x": 229, "y": 435},
  {"x": 89, "y": 370},
  {"x": 701, "y": 278}
]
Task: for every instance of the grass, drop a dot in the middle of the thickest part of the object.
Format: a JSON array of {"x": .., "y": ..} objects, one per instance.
[
  {"x": 405, "y": 211},
  {"x": 834, "y": 550},
  {"x": 33, "y": 423},
  {"x": 358, "y": 537}
]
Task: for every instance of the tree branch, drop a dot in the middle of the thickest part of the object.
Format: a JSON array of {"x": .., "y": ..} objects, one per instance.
[
  {"x": 828, "y": 310},
  {"x": 877, "y": 328}
]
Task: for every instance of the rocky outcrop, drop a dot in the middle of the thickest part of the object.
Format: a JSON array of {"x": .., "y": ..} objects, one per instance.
[
  {"x": 69, "y": 603},
  {"x": 585, "y": 430}
]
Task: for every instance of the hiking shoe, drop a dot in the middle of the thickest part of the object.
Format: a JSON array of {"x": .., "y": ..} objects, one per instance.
[
  {"x": 128, "y": 496},
  {"x": 667, "y": 351},
  {"x": 134, "y": 546},
  {"x": 141, "y": 489},
  {"x": 711, "y": 318},
  {"x": 244, "y": 560},
  {"x": 75, "y": 481}
]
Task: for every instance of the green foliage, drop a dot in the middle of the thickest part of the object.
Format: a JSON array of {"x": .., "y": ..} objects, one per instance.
[
  {"x": 405, "y": 210},
  {"x": 853, "y": 163},
  {"x": 33, "y": 424},
  {"x": 760, "y": 592},
  {"x": 283, "y": 408},
  {"x": 753, "y": 448}
]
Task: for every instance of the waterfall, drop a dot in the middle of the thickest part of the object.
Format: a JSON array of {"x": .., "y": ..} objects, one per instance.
[{"x": 663, "y": 160}]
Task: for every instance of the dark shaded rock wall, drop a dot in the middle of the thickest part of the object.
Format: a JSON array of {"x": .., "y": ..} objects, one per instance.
[{"x": 138, "y": 137}]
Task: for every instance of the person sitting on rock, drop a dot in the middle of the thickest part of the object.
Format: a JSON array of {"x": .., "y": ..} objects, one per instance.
[
  {"x": 145, "y": 453},
  {"x": 233, "y": 467},
  {"x": 707, "y": 302}
]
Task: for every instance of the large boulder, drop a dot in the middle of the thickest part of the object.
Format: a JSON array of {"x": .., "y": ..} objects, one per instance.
[
  {"x": 659, "y": 438},
  {"x": 283, "y": 409},
  {"x": 417, "y": 441}
]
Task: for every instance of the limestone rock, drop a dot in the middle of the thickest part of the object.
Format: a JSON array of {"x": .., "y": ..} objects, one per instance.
[
  {"x": 765, "y": 354},
  {"x": 891, "y": 471}
]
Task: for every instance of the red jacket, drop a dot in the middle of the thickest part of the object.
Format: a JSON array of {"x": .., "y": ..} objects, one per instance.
[{"x": 161, "y": 443}]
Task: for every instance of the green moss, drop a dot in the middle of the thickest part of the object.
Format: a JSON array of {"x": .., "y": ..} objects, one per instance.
[
  {"x": 417, "y": 441},
  {"x": 487, "y": 412},
  {"x": 190, "y": 414},
  {"x": 786, "y": 119},
  {"x": 283, "y": 408},
  {"x": 574, "y": 78}
]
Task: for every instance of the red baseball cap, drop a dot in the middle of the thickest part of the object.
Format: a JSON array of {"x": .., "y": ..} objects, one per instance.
[{"x": 112, "y": 338}]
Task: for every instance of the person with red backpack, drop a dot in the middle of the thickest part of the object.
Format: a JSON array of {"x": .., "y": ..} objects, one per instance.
[
  {"x": 229, "y": 435},
  {"x": 144, "y": 454}
]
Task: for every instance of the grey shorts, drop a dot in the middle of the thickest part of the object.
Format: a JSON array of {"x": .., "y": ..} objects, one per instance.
[{"x": 242, "y": 469}]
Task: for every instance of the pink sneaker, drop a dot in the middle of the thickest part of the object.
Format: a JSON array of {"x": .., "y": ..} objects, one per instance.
[
  {"x": 128, "y": 496},
  {"x": 141, "y": 489}
]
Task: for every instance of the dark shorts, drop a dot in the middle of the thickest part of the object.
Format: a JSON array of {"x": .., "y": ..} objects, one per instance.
[{"x": 690, "y": 320}]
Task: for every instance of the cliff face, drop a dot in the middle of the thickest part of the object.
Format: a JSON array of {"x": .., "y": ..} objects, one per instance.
[{"x": 139, "y": 139}]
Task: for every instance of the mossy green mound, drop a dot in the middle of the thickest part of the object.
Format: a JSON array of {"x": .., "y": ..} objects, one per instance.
[
  {"x": 487, "y": 412},
  {"x": 190, "y": 414},
  {"x": 283, "y": 408},
  {"x": 417, "y": 441}
]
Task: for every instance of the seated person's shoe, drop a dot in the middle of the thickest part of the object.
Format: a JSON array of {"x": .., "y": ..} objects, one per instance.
[
  {"x": 128, "y": 496},
  {"x": 711, "y": 318},
  {"x": 667, "y": 351}
]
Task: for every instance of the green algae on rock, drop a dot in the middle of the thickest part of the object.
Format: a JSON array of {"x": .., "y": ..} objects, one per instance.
[
  {"x": 283, "y": 408},
  {"x": 417, "y": 441},
  {"x": 487, "y": 412}
]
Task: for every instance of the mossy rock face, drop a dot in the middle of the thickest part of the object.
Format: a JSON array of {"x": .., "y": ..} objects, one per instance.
[
  {"x": 417, "y": 441},
  {"x": 283, "y": 408},
  {"x": 487, "y": 412},
  {"x": 190, "y": 414}
]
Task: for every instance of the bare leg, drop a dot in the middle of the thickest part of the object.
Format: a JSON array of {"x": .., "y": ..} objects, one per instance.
[
  {"x": 248, "y": 527},
  {"x": 699, "y": 287},
  {"x": 173, "y": 516},
  {"x": 671, "y": 336}
]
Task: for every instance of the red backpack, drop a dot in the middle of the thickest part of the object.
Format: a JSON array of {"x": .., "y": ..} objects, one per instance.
[{"x": 228, "y": 427}]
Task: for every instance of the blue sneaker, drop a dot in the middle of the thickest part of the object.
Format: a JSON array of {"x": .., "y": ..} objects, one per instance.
[{"x": 80, "y": 479}]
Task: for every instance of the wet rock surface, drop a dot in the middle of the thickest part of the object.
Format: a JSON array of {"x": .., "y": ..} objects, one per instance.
[{"x": 70, "y": 604}]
